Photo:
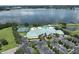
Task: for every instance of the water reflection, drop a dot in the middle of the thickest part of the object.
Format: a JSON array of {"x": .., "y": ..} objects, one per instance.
[{"x": 42, "y": 16}]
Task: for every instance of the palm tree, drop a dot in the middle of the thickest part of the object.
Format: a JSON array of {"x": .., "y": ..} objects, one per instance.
[{"x": 49, "y": 36}]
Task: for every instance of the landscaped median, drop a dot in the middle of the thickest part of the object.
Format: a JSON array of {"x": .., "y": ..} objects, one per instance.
[{"x": 7, "y": 34}]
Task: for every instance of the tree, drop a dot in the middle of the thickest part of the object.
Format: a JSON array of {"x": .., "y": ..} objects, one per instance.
[
  {"x": 67, "y": 46},
  {"x": 36, "y": 25},
  {"x": 56, "y": 51},
  {"x": 26, "y": 24},
  {"x": 3, "y": 42},
  {"x": 57, "y": 28},
  {"x": 60, "y": 42},
  {"x": 69, "y": 38},
  {"x": 57, "y": 35},
  {"x": 48, "y": 42},
  {"x": 41, "y": 37},
  {"x": 74, "y": 41},
  {"x": 0, "y": 46},
  {"x": 49, "y": 36},
  {"x": 63, "y": 25},
  {"x": 76, "y": 35},
  {"x": 20, "y": 51},
  {"x": 67, "y": 32}
]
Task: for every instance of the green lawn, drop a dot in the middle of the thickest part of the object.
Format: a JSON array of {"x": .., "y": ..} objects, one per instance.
[
  {"x": 77, "y": 25},
  {"x": 22, "y": 33},
  {"x": 8, "y": 35},
  {"x": 75, "y": 32}
]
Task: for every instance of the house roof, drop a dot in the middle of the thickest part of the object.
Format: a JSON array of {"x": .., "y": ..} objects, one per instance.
[
  {"x": 34, "y": 32},
  {"x": 22, "y": 29},
  {"x": 59, "y": 32}
]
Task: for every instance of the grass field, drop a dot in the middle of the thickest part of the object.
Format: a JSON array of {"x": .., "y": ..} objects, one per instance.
[
  {"x": 77, "y": 25},
  {"x": 22, "y": 33},
  {"x": 76, "y": 31},
  {"x": 8, "y": 35}
]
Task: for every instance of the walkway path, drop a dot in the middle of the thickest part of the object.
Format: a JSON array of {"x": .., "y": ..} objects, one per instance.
[{"x": 11, "y": 51}]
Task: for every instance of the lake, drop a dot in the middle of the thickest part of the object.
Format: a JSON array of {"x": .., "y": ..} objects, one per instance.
[{"x": 40, "y": 16}]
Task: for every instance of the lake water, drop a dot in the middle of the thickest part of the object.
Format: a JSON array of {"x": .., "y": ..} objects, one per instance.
[{"x": 40, "y": 16}]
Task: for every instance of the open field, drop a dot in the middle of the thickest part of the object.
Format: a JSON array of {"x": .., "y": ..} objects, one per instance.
[{"x": 8, "y": 35}]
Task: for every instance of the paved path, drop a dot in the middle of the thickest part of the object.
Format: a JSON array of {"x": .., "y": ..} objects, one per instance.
[{"x": 11, "y": 51}]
